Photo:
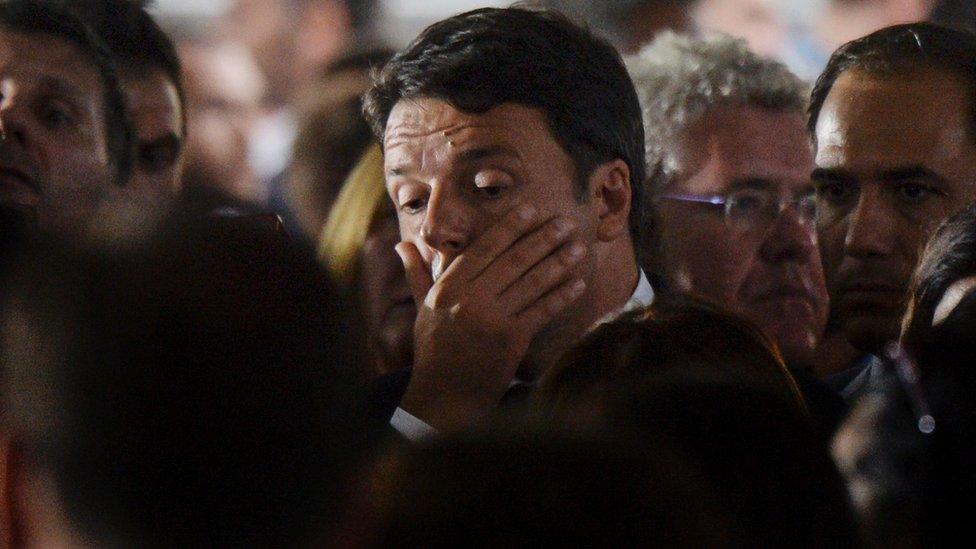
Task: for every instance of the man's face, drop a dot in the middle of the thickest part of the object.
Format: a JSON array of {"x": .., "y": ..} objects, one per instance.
[
  {"x": 895, "y": 157},
  {"x": 54, "y": 160},
  {"x": 770, "y": 273},
  {"x": 157, "y": 118},
  {"x": 223, "y": 93},
  {"x": 453, "y": 174}
]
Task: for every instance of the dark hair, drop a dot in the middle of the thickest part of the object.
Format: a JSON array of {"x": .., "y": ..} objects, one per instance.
[
  {"x": 900, "y": 49},
  {"x": 135, "y": 39},
  {"x": 38, "y": 17},
  {"x": 521, "y": 485},
  {"x": 483, "y": 58},
  {"x": 197, "y": 390},
  {"x": 762, "y": 456},
  {"x": 949, "y": 255},
  {"x": 676, "y": 333}
]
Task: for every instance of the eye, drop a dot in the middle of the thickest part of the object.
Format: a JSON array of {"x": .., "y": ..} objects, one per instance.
[
  {"x": 491, "y": 192},
  {"x": 491, "y": 183},
  {"x": 413, "y": 206},
  {"x": 747, "y": 203},
  {"x": 915, "y": 193},
  {"x": 835, "y": 193},
  {"x": 410, "y": 198},
  {"x": 806, "y": 207},
  {"x": 55, "y": 117},
  {"x": 156, "y": 159}
]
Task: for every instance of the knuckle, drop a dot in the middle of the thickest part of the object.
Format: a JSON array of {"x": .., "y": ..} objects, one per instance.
[{"x": 438, "y": 297}]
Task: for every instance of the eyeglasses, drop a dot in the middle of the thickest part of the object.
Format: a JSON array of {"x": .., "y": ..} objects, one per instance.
[{"x": 748, "y": 209}]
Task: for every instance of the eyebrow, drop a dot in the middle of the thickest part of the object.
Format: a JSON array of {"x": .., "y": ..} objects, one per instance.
[
  {"x": 168, "y": 141},
  {"x": 911, "y": 172},
  {"x": 831, "y": 174},
  {"x": 751, "y": 183},
  {"x": 893, "y": 175},
  {"x": 484, "y": 153},
  {"x": 474, "y": 154},
  {"x": 59, "y": 86}
]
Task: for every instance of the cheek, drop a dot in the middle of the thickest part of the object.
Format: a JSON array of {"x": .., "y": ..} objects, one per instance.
[
  {"x": 701, "y": 256},
  {"x": 81, "y": 170},
  {"x": 830, "y": 241}
]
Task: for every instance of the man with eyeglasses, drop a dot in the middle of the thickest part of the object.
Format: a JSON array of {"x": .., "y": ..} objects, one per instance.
[
  {"x": 729, "y": 208},
  {"x": 892, "y": 117}
]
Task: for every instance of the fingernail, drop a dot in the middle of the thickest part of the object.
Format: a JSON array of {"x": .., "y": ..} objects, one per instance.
[
  {"x": 564, "y": 226},
  {"x": 577, "y": 288},
  {"x": 526, "y": 212},
  {"x": 576, "y": 250}
]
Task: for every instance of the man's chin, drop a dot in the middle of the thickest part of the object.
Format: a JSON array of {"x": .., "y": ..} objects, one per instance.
[
  {"x": 796, "y": 341},
  {"x": 870, "y": 333}
]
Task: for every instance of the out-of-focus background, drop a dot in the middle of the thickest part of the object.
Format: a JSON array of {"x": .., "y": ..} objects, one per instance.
[
  {"x": 801, "y": 32},
  {"x": 273, "y": 86}
]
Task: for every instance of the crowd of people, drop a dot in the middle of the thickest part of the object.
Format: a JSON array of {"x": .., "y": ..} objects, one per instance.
[{"x": 504, "y": 286}]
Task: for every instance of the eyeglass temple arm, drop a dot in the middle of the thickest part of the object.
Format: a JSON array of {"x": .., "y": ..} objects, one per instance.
[{"x": 708, "y": 199}]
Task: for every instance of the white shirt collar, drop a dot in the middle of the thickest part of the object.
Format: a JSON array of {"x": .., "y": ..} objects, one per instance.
[{"x": 643, "y": 296}]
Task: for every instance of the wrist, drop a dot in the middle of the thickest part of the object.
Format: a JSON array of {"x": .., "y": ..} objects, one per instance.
[{"x": 444, "y": 410}]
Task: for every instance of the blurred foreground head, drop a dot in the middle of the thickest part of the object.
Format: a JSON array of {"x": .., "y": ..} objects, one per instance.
[
  {"x": 526, "y": 487},
  {"x": 192, "y": 390},
  {"x": 907, "y": 449},
  {"x": 678, "y": 334}
]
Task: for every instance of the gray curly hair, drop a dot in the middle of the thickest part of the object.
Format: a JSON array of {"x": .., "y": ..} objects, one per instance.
[{"x": 679, "y": 78}]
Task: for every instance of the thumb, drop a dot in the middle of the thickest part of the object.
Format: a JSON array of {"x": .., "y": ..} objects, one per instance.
[{"x": 418, "y": 276}]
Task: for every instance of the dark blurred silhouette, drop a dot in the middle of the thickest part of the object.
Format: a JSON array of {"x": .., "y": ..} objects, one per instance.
[
  {"x": 526, "y": 487},
  {"x": 907, "y": 450},
  {"x": 673, "y": 334},
  {"x": 194, "y": 389},
  {"x": 762, "y": 456},
  {"x": 955, "y": 13}
]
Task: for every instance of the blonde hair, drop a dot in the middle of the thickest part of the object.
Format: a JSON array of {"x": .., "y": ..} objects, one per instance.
[{"x": 361, "y": 196}]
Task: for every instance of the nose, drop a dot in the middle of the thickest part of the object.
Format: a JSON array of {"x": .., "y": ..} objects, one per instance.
[
  {"x": 12, "y": 126},
  {"x": 792, "y": 237},
  {"x": 447, "y": 223},
  {"x": 869, "y": 231}
]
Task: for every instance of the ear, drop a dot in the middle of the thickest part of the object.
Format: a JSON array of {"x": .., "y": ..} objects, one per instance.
[{"x": 610, "y": 190}]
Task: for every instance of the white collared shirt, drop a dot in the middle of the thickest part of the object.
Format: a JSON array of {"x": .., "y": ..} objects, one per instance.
[{"x": 415, "y": 429}]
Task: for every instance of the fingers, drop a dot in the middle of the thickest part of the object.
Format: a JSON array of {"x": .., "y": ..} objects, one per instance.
[
  {"x": 524, "y": 254},
  {"x": 542, "y": 278},
  {"x": 418, "y": 277},
  {"x": 495, "y": 240},
  {"x": 540, "y": 313}
]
